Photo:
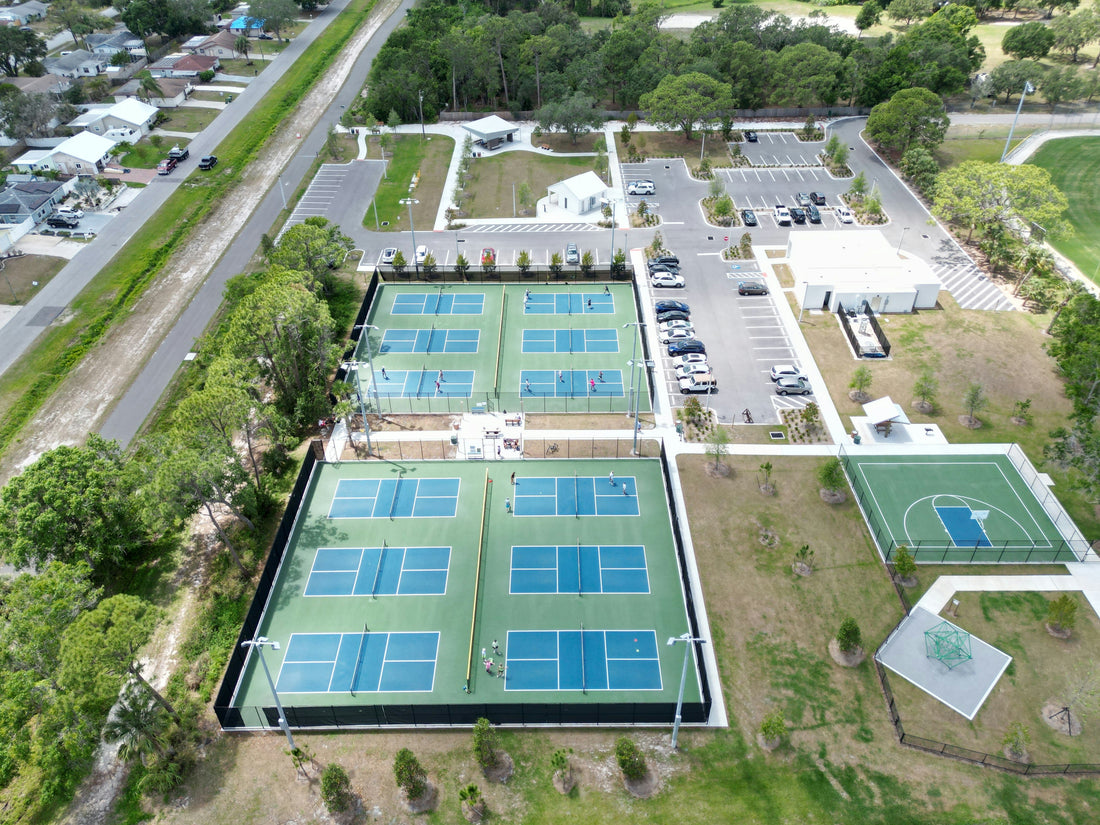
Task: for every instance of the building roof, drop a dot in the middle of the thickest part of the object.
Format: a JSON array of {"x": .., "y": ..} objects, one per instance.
[
  {"x": 861, "y": 258},
  {"x": 74, "y": 60},
  {"x": 490, "y": 127},
  {"x": 32, "y": 157},
  {"x": 585, "y": 185},
  {"x": 24, "y": 198},
  {"x": 28, "y": 9},
  {"x": 117, "y": 41},
  {"x": 48, "y": 83},
  {"x": 133, "y": 111},
  {"x": 194, "y": 42},
  {"x": 246, "y": 22},
  {"x": 85, "y": 146},
  {"x": 185, "y": 63},
  {"x": 884, "y": 409},
  {"x": 170, "y": 86},
  {"x": 222, "y": 38}
]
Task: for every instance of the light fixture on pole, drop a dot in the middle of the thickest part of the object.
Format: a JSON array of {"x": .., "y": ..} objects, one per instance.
[
  {"x": 611, "y": 203},
  {"x": 904, "y": 229},
  {"x": 1028, "y": 89},
  {"x": 259, "y": 644},
  {"x": 688, "y": 640},
  {"x": 421, "y": 114},
  {"x": 410, "y": 202},
  {"x": 370, "y": 362},
  {"x": 458, "y": 240},
  {"x": 357, "y": 366},
  {"x": 633, "y": 355}
]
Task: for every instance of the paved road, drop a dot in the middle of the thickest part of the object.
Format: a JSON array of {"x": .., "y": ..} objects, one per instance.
[
  {"x": 129, "y": 414},
  {"x": 52, "y": 299}
]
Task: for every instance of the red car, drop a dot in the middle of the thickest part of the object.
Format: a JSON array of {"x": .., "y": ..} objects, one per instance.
[
  {"x": 166, "y": 166},
  {"x": 488, "y": 256}
]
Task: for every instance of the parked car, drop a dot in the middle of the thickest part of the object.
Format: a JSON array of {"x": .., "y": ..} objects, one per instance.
[
  {"x": 844, "y": 215},
  {"x": 751, "y": 137},
  {"x": 641, "y": 187},
  {"x": 692, "y": 345},
  {"x": 667, "y": 279},
  {"x": 782, "y": 215},
  {"x": 673, "y": 315},
  {"x": 62, "y": 222},
  {"x": 667, "y": 259},
  {"x": 684, "y": 370},
  {"x": 488, "y": 256},
  {"x": 793, "y": 386},
  {"x": 166, "y": 166},
  {"x": 67, "y": 212},
  {"x": 748, "y": 217},
  {"x": 265, "y": 36},
  {"x": 675, "y": 270},
  {"x": 817, "y": 199},
  {"x": 388, "y": 254},
  {"x": 208, "y": 162},
  {"x": 802, "y": 199},
  {"x": 667, "y": 336},
  {"x": 786, "y": 371},
  {"x": 179, "y": 154},
  {"x": 689, "y": 358},
  {"x": 698, "y": 383},
  {"x": 665, "y": 306},
  {"x": 421, "y": 253},
  {"x": 751, "y": 288},
  {"x": 668, "y": 326},
  {"x": 812, "y": 214},
  {"x": 572, "y": 256},
  {"x": 798, "y": 214}
]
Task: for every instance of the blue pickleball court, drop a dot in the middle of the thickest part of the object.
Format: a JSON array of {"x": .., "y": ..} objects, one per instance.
[
  {"x": 438, "y": 303},
  {"x": 575, "y": 496},
  {"x": 570, "y": 340},
  {"x": 569, "y": 303},
  {"x": 571, "y": 383},
  {"x": 447, "y": 341},
  {"x": 395, "y": 498},
  {"x": 379, "y": 571},
  {"x": 582, "y": 660},
  {"x": 359, "y": 662},
  {"x": 421, "y": 383},
  {"x": 581, "y": 568}
]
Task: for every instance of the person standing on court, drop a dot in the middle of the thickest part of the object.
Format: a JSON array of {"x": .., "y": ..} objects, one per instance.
[
  {"x": 513, "y": 479},
  {"x": 611, "y": 478},
  {"x": 384, "y": 376},
  {"x": 592, "y": 384}
]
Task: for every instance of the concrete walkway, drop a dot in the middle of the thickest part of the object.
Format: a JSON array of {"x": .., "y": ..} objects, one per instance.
[
  {"x": 1084, "y": 578},
  {"x": 1030, "y": 145}
]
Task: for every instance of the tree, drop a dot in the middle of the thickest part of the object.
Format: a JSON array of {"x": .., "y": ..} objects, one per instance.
[
  {"x": 1016, "y": 739},
  {"x": 148, "y": 86},
  {"x": 315, "y": 246},
  {"x": 974, "y": 401},
  {"x": 73, "y": 504},
  {"x": 976, "y": 193},
  {"x": 1061, "y": 84},
  {"x": 523, "y": 261},
  {"x": 810, "y": 75},
  {"x": 28, "y": 115},
  {"x": 912, "y": 116},
  {"x": 848, "y": 637},
  {"x": 681, "y": 101},
  {"x": 486, "y": 742},
  {"x": 462, "y": 266},
  {"x": 904, "y": 565},
  {"x": 400, "y": 263},
  {"x": 774, "y": 726},
  {"x": 430, "y": 265},
  {"x": 557, "y": 264},
  {"x": 524, "y": 195},
  {"x": 76, "y": 19},
  {"x": 920, "y": 167},
  {"x": 1073, "y": 31},
  {"x": 409, "y": 773},
  {"x": 630, "y": 758},
  {"x": 276, "y": 14},
  {"x": 17, "y": 48},
  {"x": 1062, "y": 613},
  {"x": 1033, "y": 260},
  {"x": 830, "y": 475},
  {"x": 908, "y": 10},
  {"x": 869, "y": 15},
  {"x": 335, "y": 788},
  {"x": 925, "y": 388},
  {"x": 1034, "y": 40},
  {"x": 961, "y": 18},
  {"x": 473, "y": 805},
  {"x": 138, "y": 725},
  {"x": 574, "y": 115},
  {"x": 861, "y": 379},
  {"x": 719, "y": 439},
  {"x": 242, "y": 45},
  {"x": 1011, "y": 76}
]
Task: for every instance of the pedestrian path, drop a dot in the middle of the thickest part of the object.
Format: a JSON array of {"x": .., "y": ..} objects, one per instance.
[
  {"x": 971, "y": 289},
  {"x": 528, "y": 226},
  {"x": 1082, "y": 577}
]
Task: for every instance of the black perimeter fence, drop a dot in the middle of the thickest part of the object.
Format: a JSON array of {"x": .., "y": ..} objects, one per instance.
[
  {"x": 593, "y": 274},
  {"x": 440, "y": 714}
]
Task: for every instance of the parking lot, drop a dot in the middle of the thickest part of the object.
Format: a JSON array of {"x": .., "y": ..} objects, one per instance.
[{"x": 781, "y": 149}]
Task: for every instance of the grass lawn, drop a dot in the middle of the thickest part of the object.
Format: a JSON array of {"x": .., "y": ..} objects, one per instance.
[
  {"x": 26, "y": 275},
  {"x": 975, "y": 143},
  {"x": 1074, "y": 165},
  {"x": 145, "y": 155},
  {"x": 243, "y": 68},
  {"x": 188, "y": 119},
  {"x": 673, "y": 145},
  {"x": 1040, "y": 672},
  {"x": 491, "y": 179},
  {"x": 409, "y": 156},
  {"x": 213, "y": 97}
]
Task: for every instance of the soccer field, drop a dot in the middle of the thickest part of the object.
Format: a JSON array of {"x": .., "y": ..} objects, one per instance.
[{"x": 1074, "y": 166}]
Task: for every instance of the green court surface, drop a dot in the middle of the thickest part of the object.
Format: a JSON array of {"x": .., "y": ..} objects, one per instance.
[
  {"x": 398, "y": 579},
  {"x": 972, "y": 508},
  {"x": 530, "y": 347}
]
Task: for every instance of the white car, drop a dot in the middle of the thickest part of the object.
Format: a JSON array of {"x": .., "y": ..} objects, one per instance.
[
  {"x": 786, "y": 371},
  {"x": 388, "y": 254},
  {"x": 782, "y": 215},
  {"x": 669, "y": 335},
  {"x": 66, "y": 212},
  {"x": 667, "y": 279},
  {"x": 690, "y": 358},
  {"x": 692, "y": 369},
  {"x": 641, "y": 187},
  {"x": 421, "y": 253},
  {"x": 844, "y": 215},
  {"x": 667, "y": 325}
]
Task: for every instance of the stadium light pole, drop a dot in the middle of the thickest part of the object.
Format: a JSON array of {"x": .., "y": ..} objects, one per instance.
[
  {"x": 904, "y": 229},
  {"x": 357, "y": 366},
  {"x": 370, "y": 363},
  {"x": 633, "y": 356},
  {"x": 410, "y": 202},
  {"x": 688, "y": 640},
  {"x": 259, "y": 644},
  {"x": 1028, "y": 89},
  {"x": 610, "y": 202}
]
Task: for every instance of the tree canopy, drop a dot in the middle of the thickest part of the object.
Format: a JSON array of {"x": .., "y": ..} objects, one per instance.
[
  {"x": 911, "y": 117},
  {"x": 976, "y": 193},
  {"x": 681, "y": 101},
  {"x": 17, "y": 48}
]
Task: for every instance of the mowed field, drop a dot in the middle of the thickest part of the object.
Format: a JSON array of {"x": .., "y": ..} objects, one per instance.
[{"x": 1074, "y": 165}]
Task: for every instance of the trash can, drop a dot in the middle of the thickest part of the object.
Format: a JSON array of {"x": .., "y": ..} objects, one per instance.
[
  {"x": 454, "y": 438},
  {"x": 856, "y": 438}
]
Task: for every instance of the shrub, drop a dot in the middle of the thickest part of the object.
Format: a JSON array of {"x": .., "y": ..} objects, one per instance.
[
  {"x": 559, "y": 761},
  {"x": 1062, "y": 612},
  {"x": 410, "y": 774},
  {"x": 1017, "y": 738},
  {"x": 774, "y": 726},
  {"x": 848, "y": 637},
  {"x": 486, "y": 742},
  {"x": 335, "y": 788},
  {"x": 831, "y": 475},
  {"x": 904, "y": 565},
  {"x": 630, "y": 758}
]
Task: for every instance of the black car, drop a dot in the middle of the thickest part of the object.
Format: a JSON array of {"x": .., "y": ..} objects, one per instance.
[
  {"x": 751, "y": 288},
  {"x": 798, "y": 214},
  {"x": 62, "y": 222},
  {"x": 664, "y": 264},
  {"x": 673, "y": 315},
  {"x": 208, "y": 162},
  {"x": 751, "y": 137},
  {"x": 748, "y": 217},
  {"x": 813, "y": 214},
  {"x": 817, "y": 199},
  {"x": 665, "y": 306},
  {"x": 666, "y": 259},
  {"x": 686, "y": 346}
]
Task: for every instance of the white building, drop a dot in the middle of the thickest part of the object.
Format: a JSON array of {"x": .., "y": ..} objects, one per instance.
[
  {"x": 491, "y": 131},
  {"x": 579, "y": 194},
  {"x": 128, "y": 119},
  {"x": 845, "y": 268},
  {"x": 82, "y": 154}
]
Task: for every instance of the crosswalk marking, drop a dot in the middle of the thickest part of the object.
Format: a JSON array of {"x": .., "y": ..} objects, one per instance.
[
  {"x": 538, "y": 227},
  {"x": 971, "y": 289}
]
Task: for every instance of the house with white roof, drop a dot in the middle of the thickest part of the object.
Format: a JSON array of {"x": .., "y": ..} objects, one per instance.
[
  {"x": 82, "y": 154},
  {"x": 129, "y": 119},
  {"x": 34, "y": 160},
  {"x": 579, "y": 194}
]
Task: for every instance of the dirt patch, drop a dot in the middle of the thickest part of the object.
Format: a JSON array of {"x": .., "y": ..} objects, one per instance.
[
  {"x": 500, "y": 771},
  {"x": 844, "y": 658},
  {"x": 1056, "y": 716},
  {"x": 644, "y": 787},
  {"x": 87, "y": 395},
  {"x": 718, "y": 470}
]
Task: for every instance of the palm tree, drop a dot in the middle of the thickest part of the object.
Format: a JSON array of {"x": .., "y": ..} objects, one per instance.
[
  {"x": 1073, "y": 289},
  {"x": 243, "y": 45},
  {"x": 148, "y": 86},
  {"x": 138, "y": 724},
  {"x": 1033, "y": 260}
]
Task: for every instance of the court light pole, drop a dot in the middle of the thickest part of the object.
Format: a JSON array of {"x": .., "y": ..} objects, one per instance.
[
  {"x": 259, "y": 644},
  {"x": 688, "y": 641},
  {"x": 610, "y": 202},
  {"x": 370, "y": 362},
  {"x": 1028, "y": 89},
  {"x": 633, "y": 356},
  {"x": 410, "y": 202},
  {"x": 357, "y": 367},
  {"x": 904, "y": 229}
]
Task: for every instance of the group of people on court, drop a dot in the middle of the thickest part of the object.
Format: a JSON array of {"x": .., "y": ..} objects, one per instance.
[{"x": 489, "y": 664}]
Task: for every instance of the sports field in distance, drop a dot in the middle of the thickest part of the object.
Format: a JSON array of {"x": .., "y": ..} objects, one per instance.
[
  {"x": 542, "y": 347},
  {"x": 1074, "y": 166},
  {"x": 412, "y": 592}
]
